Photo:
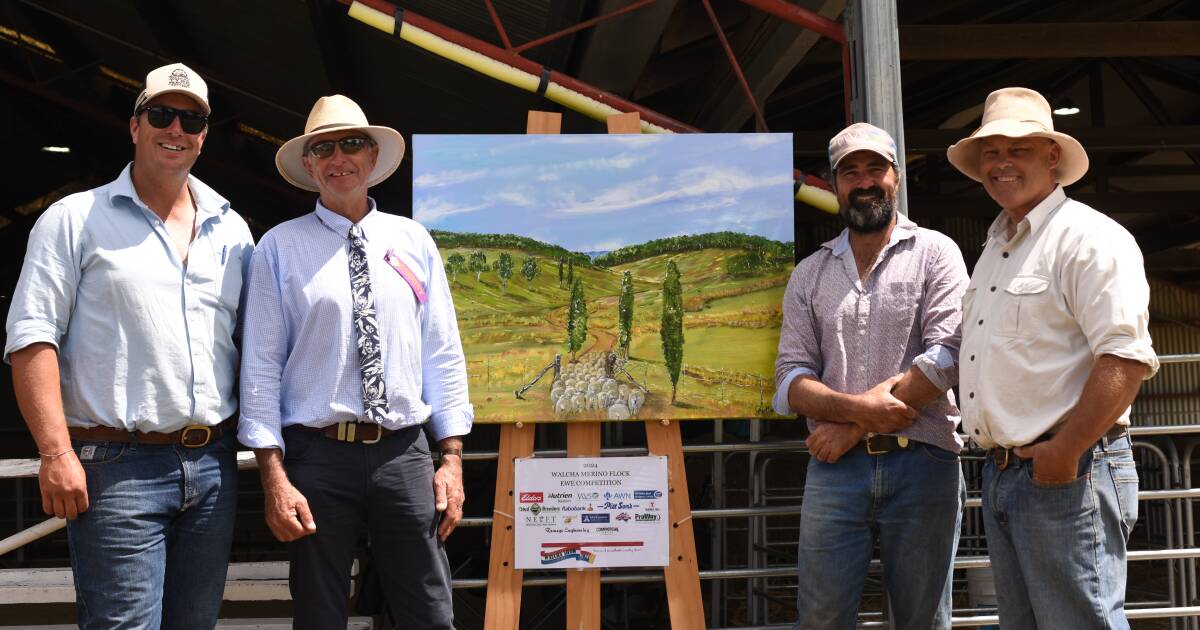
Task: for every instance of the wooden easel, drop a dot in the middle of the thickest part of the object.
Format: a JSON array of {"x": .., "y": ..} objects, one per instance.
[{"x": 682, "y": 575}]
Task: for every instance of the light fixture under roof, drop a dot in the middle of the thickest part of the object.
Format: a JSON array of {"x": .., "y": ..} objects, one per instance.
[
  {"x": 1065, "y": 107},
  {"x": 52, "y": 149}
]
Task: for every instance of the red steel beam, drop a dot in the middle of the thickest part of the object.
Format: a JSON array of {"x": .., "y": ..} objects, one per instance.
[
  {"x": 499, "y": 26},
  {"x": 737, "y": 67},
  {"x": 803, "y": 17},
  {"x": 582, "y": 25},
  {"x": 569, "y": 82}
]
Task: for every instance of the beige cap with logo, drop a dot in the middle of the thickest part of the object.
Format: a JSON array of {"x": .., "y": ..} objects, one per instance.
[{"x": 174, "y": 78}]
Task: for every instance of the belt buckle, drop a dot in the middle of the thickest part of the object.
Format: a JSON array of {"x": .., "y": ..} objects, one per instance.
[
  {"x": 871, "y": 451},
  {"x": 187, "y": 441},
  {"x": 378, "y": 434},
  {"x": 348, "y": 432},
  {"x": 1002, "y": 465}
]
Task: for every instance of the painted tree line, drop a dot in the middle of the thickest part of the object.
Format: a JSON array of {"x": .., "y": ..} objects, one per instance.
[
  {"x": 477, "y": 263},
  {"x": 767, "y": 249},
  {"x": 670, "y": 331}
]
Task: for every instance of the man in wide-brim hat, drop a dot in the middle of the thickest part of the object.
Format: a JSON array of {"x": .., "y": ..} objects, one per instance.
[
  {"x": 1055, "y": 346},
  {"x": 351, "y": 355}
]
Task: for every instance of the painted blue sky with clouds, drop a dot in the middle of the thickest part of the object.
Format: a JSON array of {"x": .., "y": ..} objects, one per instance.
[{"x": 599, "y": 192}]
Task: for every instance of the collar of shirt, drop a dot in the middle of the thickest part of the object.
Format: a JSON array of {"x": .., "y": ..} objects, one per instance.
[
  {"x": 209, "y": 203},
  {"x": 1035, "y": 220},
  {"x": 340, "y": 225},
  {"x": 905, "y": 229}
]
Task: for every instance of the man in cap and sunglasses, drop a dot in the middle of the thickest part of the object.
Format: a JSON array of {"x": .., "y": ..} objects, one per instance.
[
  {"x": 868, "y": 352},
  {"x": 121, "y": 338},
  {"x": 351, "y": 356},
  {"x": 1055, "y": 346}
]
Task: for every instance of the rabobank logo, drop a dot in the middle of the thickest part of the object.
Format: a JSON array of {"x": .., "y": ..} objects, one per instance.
[
  {"x": 593, "y": 518},
  {"x": 647, "y": 494}
]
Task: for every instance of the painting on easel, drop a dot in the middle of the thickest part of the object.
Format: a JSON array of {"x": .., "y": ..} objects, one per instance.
[{"x": 612, "y": 277}]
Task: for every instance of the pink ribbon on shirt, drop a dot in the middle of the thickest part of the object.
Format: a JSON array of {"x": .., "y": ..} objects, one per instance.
[{"x": 411, "y": 278}]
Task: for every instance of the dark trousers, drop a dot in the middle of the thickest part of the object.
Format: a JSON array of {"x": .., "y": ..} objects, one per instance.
[{"x": 385, "y": 489}]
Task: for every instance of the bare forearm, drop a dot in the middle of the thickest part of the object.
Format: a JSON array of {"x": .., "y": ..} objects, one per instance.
[
  {"x": 39, "y": 396},
  {"x": 916, "y": 390},
  {"x": 270, "y": 467},
  {"x": 1109, "y": 390},
  {"x": 815, "y": 400}
]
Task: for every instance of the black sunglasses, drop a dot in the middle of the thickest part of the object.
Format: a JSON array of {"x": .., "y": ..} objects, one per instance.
[
  {"x": 349, "y": 145},
  {"x": 160, "y": 116}
]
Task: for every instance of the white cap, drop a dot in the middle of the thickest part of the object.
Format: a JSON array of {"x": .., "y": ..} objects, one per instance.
[
  {"x": 175, "y": 78},
  {"x": 861, "y": 137}
]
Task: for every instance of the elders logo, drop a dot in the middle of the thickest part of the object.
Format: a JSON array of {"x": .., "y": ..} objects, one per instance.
[
  {"x": 531, "y": 497},
  {"x": 647, "y": 494}
]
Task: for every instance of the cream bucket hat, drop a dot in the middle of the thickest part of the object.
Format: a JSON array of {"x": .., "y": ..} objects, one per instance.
[
  {"x": 1016, "y": 113},
  {"x": 338, "y": 113}
]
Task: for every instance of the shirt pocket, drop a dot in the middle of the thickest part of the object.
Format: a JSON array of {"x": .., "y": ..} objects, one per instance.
[
  {"x": 1025, "y": 301},
  {"x": 900, "y": 304}
]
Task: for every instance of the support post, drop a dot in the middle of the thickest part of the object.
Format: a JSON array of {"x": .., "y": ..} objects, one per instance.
[{"x": 873, "y": 42}]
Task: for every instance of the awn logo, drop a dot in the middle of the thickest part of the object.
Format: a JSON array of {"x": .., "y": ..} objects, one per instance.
[
  {"x": 647, "y": 494},
  {"x": 593, "y": 518},
  {"x": 531, "y": 497}
]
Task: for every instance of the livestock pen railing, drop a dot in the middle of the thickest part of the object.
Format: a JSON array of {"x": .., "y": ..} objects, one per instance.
[{"x": 750, "y": 582}]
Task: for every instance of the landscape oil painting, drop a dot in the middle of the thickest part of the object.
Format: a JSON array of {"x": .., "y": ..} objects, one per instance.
[{"x": 612, "y": 277}]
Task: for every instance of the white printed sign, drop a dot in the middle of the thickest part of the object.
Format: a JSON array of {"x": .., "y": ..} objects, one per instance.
[{"x": 591, "y": 512}]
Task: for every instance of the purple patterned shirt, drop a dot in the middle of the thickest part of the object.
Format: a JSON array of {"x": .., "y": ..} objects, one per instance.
[{"x": 853, "y": 335}]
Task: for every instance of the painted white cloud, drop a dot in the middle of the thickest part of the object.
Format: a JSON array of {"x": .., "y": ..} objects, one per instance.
[
  {"x": 433, "y": 209},
  {"x": 448, "y": 178},
  {"x": 705, "y": 184},
  {"x": 759, "y": 140}
]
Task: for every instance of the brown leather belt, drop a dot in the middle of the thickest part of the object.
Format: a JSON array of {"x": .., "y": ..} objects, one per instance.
[
  {"x": 357, "y": 432},
  {"x": 1005, "y": 457},
  {"x": 192, "y": 436},
  {"x": 880, "y": 444}
]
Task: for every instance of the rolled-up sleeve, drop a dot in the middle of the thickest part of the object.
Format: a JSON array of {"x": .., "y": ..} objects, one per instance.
[
  {"x": 443, "y": 366},
  {"x": 45, "y": 294},
  {"x": 799, "y": 353},
  {"x": 264, "y": 354},
  {"x": 941, "y": 318},
  {"x": 1105, "y": 287}
]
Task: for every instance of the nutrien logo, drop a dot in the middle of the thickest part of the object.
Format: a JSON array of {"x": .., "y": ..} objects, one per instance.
[{"x": 531, "y": 497}]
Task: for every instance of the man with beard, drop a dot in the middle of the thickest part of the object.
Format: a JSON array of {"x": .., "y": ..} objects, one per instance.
[{"x": 868, "y": 353}]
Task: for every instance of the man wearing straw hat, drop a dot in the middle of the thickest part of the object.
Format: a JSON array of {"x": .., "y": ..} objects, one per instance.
[
  {"x": 868, "y": 354},
  {"x": 121, "y": 337},
  {"x": 351, "y": 355},
  {"x": 1055, "y": 347}
]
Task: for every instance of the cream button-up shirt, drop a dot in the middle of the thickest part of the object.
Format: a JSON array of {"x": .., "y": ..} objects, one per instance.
[{"x": 1043, "y": 304}]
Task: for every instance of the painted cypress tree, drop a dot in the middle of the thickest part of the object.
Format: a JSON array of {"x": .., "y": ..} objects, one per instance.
[
  {"x": 577, "y": 317},
  {"x": 530, "y": 269},
  {"x": 504, "y": 269},
  {"x": 560, "y": 272},
  {"x": 571, "y": 272},
  {"x": 672, "y": 325},
  {"x": 625, "y": 314}
]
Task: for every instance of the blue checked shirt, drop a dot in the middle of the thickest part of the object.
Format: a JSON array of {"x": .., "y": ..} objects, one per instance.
[
  {"x": 300, "y": 361},
  {"x": 145, "y": 342}
]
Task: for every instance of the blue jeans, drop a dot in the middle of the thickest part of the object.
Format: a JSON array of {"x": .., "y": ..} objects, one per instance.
[
  {"x": 910, "y": 501},
  {"x": 152, "y": 548},
  {"x": 1058, "y": 552}
]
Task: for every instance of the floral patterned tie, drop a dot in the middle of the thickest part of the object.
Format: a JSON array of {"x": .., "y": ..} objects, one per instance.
[{"x": 370, "y": 355}]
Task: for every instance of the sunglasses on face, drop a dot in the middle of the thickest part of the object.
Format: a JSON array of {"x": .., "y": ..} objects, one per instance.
[
  {"x": 350, "y": 146},
  {"x": 160, "y": 117}
]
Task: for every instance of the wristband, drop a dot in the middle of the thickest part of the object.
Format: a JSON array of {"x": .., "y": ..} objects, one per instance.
[
  {"x": 53, "y": 455},
  {"x": 451, "y": 451}
]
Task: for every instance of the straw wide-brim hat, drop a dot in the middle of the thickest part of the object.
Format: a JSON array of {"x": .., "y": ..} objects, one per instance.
[
  {"x": 338, "y": 113},
  {"x": 1018, "y": 113}
]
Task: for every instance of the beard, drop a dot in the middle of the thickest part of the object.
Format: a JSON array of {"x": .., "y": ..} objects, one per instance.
[{"x": 866, "y": 214}]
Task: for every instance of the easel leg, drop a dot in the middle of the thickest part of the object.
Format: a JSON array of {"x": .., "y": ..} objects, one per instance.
[
  {"x": 503, "y": 607},
  {"x": 683, "y": 572},
  {"x": 583, "y": 585}
]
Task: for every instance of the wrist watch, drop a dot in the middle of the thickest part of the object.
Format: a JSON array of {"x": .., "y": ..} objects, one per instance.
[{"x": 451, "y": 451}]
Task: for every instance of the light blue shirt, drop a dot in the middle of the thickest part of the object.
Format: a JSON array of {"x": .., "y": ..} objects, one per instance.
[
  {"x": 300, "y": 360},
  {"x": 145, "y": 342}
]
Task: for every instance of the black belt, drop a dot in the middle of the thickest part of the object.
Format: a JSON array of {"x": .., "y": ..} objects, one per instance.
[
  {"x": 881, "y": 444},
  {"x": 1004, "y": 457}
]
